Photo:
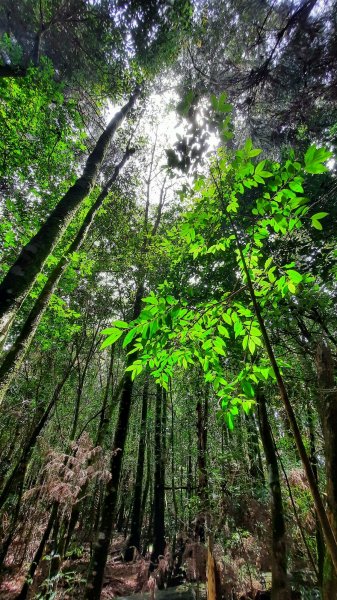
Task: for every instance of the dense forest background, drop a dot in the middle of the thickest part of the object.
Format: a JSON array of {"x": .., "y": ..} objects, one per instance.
[{"x": 167, "y": 299}]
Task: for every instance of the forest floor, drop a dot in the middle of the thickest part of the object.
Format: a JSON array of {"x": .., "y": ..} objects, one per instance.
[
  {"x": 122, "y": 580},
  {"x": 128, "y": 580}
]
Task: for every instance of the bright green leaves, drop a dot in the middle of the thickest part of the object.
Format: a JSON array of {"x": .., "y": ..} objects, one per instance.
[
  {"x": 121, "y": 324},
  {"x": 260, "y": 174},
  {"x": 249, "y": 150},
  {"x": 115, "y": 332},
  {"x": 175, "y": 334},
  {"x": 294, "y": 276},
  {"x": 113, "y": 335},
  {"x": 130, "y": 336},
  {"x": 314, "y": 159},
  {"x": 315, "y": 220},
  {"x": 136, "y": 368},
  {"x": 151, "y": 299}
]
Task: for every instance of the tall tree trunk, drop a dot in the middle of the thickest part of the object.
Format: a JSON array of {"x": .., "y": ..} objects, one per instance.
[
  {"x": 328, "y": 531},
  {"x": 328, "y": 412},
  {"x": 136, "y": 517},
  {"x": 320, "y": 547},
  {"x": 159, "y": 479},
  {"x": 7, "y": 542},
  {"x": 14, "y": 358},
  {"x": 101, "y": 547},
  {"x": 146, "y": 493},
  {"x": 256, "y": 467},
  {"x": 280, "y": 584},
  {"x": 202, "y": 424},
  {"x": 38, "y": 554},
  {"x": 21, "y": 276}
]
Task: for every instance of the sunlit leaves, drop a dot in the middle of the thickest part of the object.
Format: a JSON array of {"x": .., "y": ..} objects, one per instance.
[
  {"x": 175, "y": 334},
  {"x": 314, "y": 159}
]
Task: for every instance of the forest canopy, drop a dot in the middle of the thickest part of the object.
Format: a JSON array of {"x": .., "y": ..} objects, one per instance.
[{"x": 168, "y": 270}]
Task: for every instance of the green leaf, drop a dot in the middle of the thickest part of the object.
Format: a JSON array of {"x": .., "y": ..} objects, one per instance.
[
  {"x": 115, "y": 335},
  {"x": 319, "y": 216},
  {"x": 313, "y": 159},
  {"x": 229, "y": 421},
  {"x": 316, "y": 224},
  {"x": 129, "y": 337},
  {"x": 247, "y": 388},
  {"x": 296, "y": 187},
  {"x": 227, "y": 318},
  {"x": 121, "y": 324},
  {"x": 251, "y": 346},
  {"x": 150, "y": 299},
  {"x": 223, "y": 331},
  {"x": 294, "y": 276}
]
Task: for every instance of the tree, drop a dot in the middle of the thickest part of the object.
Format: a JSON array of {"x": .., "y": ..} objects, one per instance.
[{"x": 195, "y": 328}]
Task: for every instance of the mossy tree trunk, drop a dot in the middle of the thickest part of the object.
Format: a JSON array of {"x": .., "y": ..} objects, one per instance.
[{"x": 22, "y": 275}]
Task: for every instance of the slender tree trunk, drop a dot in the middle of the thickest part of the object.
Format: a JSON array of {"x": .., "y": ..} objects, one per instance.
[
  {"x": 159, "y": 480},
  {"x": 21, "y": 276},
  {"x": 136, "y": 517},
  {"x": 280, "y": 585},
  {"x": 202, "y": 424},
  {"x": 149, "y": 530},
  {"x": 256, "y": 467},
  {"x": 38, "y": 554},
  {"x": 329, "y": 533},
  {"x": 102, "y": 428},
  {"x": 146, "y": 493},
  {"x": 28, "y": 448},
  {"x": 7, "y": 542},
  {"x": 14, "y": 358},
  {"x": 101, "y": 547},
  {"x": 328, "y": 412},
  {"x": 320, "y": 548}
]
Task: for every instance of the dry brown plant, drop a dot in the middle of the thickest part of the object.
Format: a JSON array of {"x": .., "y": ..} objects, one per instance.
[{"x": 66, "y": 474}]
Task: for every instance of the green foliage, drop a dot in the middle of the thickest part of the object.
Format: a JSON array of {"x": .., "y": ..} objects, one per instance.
[
  {"x": 237, "y": 211},
  {"x": 41, "y": 139}
]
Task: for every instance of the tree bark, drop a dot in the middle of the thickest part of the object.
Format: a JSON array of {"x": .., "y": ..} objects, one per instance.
[
  {"x": 102, "y": 427},
  {"x": 328, "y": 413},
  {"x": 21, "y": 276},
  {"x": 280, "y": 584},
  {"x": 254, "y": 454},
  {"x": 159, "y": 480},
  {"x": 101, "y": 547},
  {"x": 17, "y": 353},
  {"x": 202, "y": 424},
  {"x": 320, "y": 547},
  {"x": 137, "y": 516},
  {"x": 38, "y": 554}
]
